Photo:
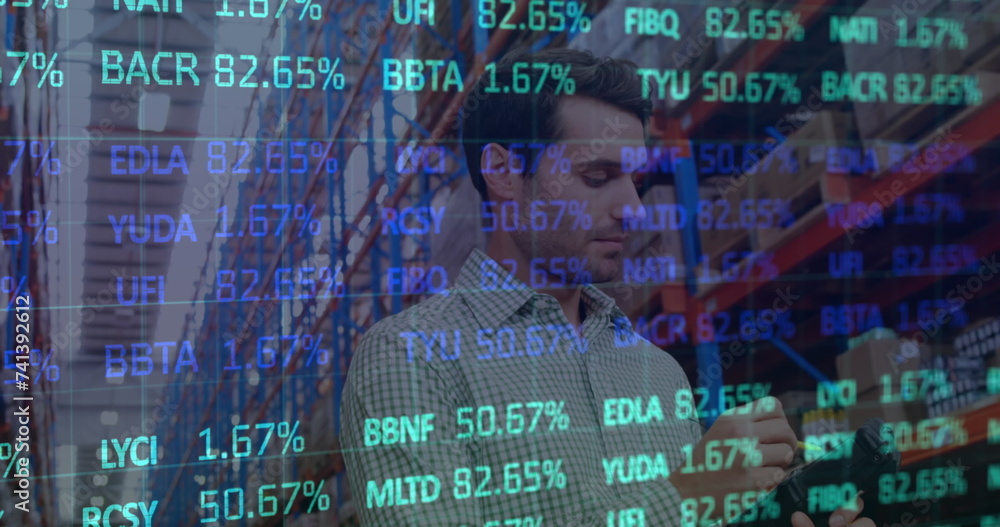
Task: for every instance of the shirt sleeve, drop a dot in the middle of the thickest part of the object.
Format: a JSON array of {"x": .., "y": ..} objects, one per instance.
[
  {"x": 396, "y": 481},
  {"x": 661, "y": 502}
]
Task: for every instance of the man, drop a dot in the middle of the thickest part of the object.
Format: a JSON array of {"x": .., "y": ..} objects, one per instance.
[{"x": 523, "y": 391}]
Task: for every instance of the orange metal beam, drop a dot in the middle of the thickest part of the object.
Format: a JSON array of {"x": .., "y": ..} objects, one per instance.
[{"x": 976, "y": 424}]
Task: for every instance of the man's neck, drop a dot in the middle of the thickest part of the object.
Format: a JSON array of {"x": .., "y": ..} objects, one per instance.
[{"x": 569, "y": 298}]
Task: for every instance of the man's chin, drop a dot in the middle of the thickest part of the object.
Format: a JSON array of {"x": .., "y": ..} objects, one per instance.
[{"x": 607, "y": 269}]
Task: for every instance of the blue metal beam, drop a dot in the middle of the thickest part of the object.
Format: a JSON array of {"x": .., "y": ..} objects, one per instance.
[
  {"x": 801, "y": 361},
  {"x": 686, "y": 184}
]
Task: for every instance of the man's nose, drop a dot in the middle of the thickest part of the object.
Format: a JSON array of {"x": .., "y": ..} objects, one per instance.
[{"x": 630, "y": 211}]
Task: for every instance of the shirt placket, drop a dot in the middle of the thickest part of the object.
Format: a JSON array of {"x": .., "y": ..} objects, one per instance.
[
  {"x": 592, "y": 330},
  {"x": 573, "y": 347}
]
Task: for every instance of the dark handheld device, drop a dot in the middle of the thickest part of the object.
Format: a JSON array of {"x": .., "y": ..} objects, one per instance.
[{"x": 824, "y": 485}]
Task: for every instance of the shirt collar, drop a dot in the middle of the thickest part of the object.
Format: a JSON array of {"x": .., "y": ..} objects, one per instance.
[{"x": 493, "y": 306}]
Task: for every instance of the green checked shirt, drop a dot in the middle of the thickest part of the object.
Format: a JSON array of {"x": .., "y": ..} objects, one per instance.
[{"x": 455, "y": 412}]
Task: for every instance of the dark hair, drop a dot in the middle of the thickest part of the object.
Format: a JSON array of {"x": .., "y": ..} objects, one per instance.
[{"x": 506, "y": 118}]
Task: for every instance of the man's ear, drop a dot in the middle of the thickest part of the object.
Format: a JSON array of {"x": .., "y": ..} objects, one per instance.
[{"x": 502, "y": 183}]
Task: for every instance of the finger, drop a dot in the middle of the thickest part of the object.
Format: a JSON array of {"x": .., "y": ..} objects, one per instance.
[
  {"x": 764, "y": 408},
  {"x": 847, "y": 514},
  {"x": 799, "y": 519},
  {"x": 767, "y": 408},
  {"x": 850, "y": 511},
  {"x": 774, "y": 431},
  {"x": 863, "y": 522},
  {"x": 780, "y": 455}
]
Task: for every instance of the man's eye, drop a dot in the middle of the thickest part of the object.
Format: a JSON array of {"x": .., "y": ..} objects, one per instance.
[{"x": 595, "y": 178}]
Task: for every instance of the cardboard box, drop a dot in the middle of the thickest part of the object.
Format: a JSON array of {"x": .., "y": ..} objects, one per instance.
[
  {"x": 726, "y": 46},
  {"x": 887, "y": 57},
  {"x": 794, "y": 180},
  {"x": 870, "y": 406},
  {"x": 608, "y": 37},
  {"x": 730, "y": 236},
  {"x": 884, "y": 157},
  {"x": 870, "y": 56},
  {"x": 900, "y": 122},
  {"x": 737, "y": 47},
  {"x": 640, "y": 240},
  {"x": 981, "y": 27},
  {"x": 811, "y": 143},
  {"x": 868, "y": 362}
]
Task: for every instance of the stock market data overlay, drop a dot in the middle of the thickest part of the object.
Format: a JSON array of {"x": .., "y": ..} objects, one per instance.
[{"x": 490, "y": 263}]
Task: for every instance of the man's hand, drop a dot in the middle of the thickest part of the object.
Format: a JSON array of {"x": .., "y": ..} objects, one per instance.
[
  {"x": 842, "y": 517},
  {"x": 762, "y": 420}
]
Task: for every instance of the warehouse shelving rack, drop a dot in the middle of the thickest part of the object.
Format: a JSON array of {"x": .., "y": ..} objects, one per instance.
[
  {"x": 976, "y": 126},
  {"x": 207, "y": 404},
  {"x": 339, "y": 119},
  {"x": 28, "y": 186}
]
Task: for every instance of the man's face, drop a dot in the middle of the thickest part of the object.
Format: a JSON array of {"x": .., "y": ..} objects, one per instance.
[{"x": 594, "y": 135}]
